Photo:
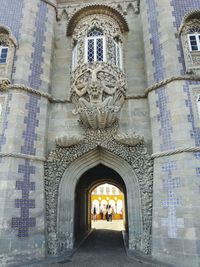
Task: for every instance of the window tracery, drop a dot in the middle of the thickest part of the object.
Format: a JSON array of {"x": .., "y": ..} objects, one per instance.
[
  {"x": 99, "y": 39},
  {"x": 95, "y": 46},
  {"x": 194, "y": 38}
]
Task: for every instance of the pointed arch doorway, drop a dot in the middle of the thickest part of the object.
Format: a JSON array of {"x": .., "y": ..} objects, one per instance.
[
  {"x": 63, "y": 171},
  {"x": 98, "y": 175}
]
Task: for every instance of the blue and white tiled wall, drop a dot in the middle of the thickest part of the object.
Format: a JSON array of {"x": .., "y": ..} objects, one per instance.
[
  {"x": 176, "y": 208},
  {"x": 173, "y": 125},
  {"x": 23, "y": 126},
  {"x": 170, "y": 126},
  {"x": 161, "y": 116}
]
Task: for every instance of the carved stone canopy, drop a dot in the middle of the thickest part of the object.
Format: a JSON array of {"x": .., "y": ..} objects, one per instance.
[{"x": 93, "y": 9}]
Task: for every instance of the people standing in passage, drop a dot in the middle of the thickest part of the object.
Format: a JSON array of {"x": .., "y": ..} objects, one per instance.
[
  {"x": 110, "y": 212},
  {"x": 101, "y": 213},
  {"x": 94, "y": 212},
  {"x": 107, "y": 217},
  {"x": 104, "y": 212}
]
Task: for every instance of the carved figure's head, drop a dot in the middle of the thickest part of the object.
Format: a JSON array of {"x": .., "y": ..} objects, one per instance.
[{"x": 94, "y": 89}]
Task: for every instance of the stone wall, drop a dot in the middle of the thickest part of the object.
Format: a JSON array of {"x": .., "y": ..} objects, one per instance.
[
  {"x": 38, "y": 110},
  {"x": 175, "y": 128},
  {"x": 23, "y": 131}
]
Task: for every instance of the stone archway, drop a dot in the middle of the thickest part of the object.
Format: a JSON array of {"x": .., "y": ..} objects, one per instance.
[
  {"x": 91, "y": 179},
  {"x": 64, "y": 167}
]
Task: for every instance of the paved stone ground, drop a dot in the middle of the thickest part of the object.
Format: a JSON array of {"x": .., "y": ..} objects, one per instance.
[{"x": 102, "y": 248}]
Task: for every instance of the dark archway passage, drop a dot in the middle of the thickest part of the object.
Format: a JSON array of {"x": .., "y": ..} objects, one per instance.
[{"x": 88, "y": 181}]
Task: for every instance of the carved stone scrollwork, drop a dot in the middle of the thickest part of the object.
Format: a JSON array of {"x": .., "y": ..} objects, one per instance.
[
  {"x": 98, "y": 92},
  {"x": 59, "y": 161},
  {"x": 129, "y": 139},
  {"x": 67, "y": 141}
]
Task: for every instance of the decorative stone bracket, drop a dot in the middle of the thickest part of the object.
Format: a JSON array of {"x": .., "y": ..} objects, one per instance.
[{"x": 98, "y": 93}]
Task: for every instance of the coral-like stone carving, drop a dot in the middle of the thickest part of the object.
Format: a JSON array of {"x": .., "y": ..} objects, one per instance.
[
  {"x": 98, "y": 94},
  {"x": 61, "y": 158}
]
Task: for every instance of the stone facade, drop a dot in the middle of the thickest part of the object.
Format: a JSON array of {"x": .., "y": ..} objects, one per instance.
[{"x": 129, "y": 108}]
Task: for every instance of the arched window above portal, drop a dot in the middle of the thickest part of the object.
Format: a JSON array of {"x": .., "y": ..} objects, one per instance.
[
  {"x": 190, "y": 37},
  {"x": 99, "y": 36},
  {"x": 97, "y": 80}
]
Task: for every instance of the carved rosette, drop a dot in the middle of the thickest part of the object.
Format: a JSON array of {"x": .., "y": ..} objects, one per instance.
[{"x": 98, "y": 92}]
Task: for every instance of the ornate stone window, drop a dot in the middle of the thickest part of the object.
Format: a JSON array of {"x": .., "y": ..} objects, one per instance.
[
  {"x": 95, "y": 46},
  {"x": 7, "y": 49},
  {"x": 190, "y": 37},
  {"x": 98, "y": 80}
]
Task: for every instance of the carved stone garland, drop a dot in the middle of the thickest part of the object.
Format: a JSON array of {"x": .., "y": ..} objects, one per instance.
[{"x": 131, "y": 148}]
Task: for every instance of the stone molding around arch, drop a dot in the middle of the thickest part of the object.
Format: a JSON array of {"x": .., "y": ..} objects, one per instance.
[
  {"x": 93, "y": 9},
  {"x": 64, "y": 167}
]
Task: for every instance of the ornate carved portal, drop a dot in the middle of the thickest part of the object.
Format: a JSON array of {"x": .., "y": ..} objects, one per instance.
[
  {"x": 129, "y": 154},
  {"x": 97, "y": 92}
]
